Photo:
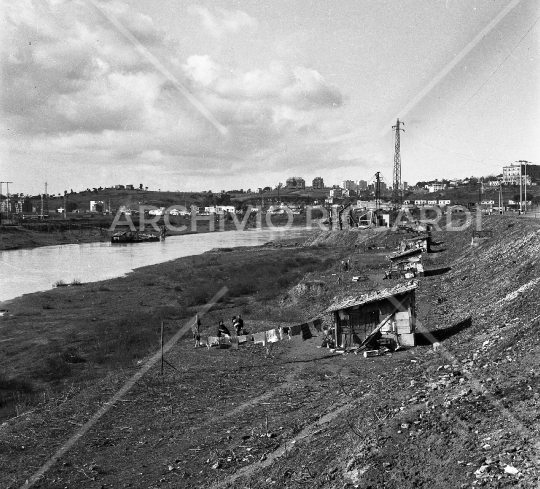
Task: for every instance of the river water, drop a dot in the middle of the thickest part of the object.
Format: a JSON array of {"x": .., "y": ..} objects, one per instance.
[{"x": 38, "y": 269}]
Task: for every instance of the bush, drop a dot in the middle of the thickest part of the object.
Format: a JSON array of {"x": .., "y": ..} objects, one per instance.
[{"x": 198, "y": 296}]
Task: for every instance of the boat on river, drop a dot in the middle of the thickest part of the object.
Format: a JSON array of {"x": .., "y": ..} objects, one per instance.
[{"x": 133, "y": 237}]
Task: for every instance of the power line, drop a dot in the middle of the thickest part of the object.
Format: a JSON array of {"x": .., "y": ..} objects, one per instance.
[
  {"x": 466, "y": 157},
  {"x": 490, "y": 76}
]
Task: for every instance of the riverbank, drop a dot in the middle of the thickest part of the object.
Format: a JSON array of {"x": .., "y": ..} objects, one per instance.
[
  {"x": 461, "y": 416},
  {"x": 17, "y": 238},
  {"x": 56, "y": 233}
]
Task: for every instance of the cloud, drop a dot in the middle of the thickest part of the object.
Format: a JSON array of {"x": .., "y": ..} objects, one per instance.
[
  {"x": 224, "y": 21},
  {"x": 77, "y": 90},
  {"x": 297, "y": 87}
]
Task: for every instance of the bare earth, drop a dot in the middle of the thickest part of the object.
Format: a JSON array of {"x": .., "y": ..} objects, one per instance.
[{"x": 464, "y": 416}]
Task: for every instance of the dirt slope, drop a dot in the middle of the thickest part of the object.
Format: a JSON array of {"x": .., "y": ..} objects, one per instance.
[{"x": 463, "y": 416}]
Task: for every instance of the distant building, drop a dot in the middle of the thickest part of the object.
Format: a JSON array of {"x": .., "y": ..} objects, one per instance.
[
  {"x": 511, "y": 174},
  {"x": 119, "y": 187},
  {"x": 444, "y": 202},
  {"x": 349, "y": 185},
  {"x": 318, "y": 183},
  {"x": 295, "y": 183},
  {"x": 11, "y": 206},
  {"x": 336, "y": 192},
  {"x": 130, "y": 187},
  {"x": 362, "y": 185},
  {"x": 435, "y": 187},
  {"x": 96, "y": 206}
]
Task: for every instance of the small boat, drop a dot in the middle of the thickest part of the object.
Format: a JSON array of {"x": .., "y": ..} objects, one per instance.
[{"x": 133, "y": 237}]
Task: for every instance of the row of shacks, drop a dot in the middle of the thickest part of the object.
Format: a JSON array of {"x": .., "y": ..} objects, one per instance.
[{"x": 390, "y": 311}]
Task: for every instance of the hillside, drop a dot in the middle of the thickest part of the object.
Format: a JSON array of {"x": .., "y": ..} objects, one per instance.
[{"x": 464, "y": 415}]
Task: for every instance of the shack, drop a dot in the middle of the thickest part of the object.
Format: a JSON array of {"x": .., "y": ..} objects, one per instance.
[
  {"x": 422, "y": 242},
  {"x": 408, "y": 267},
  {"x": 357, "y": 318}
]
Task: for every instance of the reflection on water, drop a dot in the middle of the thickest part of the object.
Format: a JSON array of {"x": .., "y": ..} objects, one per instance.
[{"x": 25, "y": 271}]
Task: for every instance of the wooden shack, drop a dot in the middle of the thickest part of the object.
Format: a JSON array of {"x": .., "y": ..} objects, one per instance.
[
  {"x": 356, "y": 318},
  {"x": 408, "y": 267}
]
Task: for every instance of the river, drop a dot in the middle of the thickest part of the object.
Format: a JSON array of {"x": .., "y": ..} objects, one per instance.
[{"x": 38, "y": 269}]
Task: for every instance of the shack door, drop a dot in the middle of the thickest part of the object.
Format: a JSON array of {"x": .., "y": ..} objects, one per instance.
[{"x": 363, "y": 323}]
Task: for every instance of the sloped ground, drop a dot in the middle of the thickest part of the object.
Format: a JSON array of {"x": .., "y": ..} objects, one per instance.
[
  {"x": 465, "y": 415},
  {"x": 350, "y": 239}
]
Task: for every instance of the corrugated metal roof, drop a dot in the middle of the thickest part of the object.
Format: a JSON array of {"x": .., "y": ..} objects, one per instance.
[{"x": 372, "y": 296}]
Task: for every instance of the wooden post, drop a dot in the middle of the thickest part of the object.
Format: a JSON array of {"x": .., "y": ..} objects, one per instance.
[{"x": 162, "y": 347}]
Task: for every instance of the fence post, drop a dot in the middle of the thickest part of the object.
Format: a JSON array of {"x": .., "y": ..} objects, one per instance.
[{"x": 162, "y": 347}]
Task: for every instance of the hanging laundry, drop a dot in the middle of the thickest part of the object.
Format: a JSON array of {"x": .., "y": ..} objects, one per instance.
[
  {"x": 317, "y": 324},
  {"x": 271, "y": 336},
  {"x": 260, "y": 338},
  {"x": 242, "y": 338},
  {"x": 280, "y": 333},
  {"x": 204, "y": 341},
  {"x": 213, "y": 340},
  {"x": 234, "y": 342},
  {"x": 306, "y": 332},
  {"x": 295, "y": 330}
]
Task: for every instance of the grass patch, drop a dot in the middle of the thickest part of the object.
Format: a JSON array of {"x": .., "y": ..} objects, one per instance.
[
  {"x": 76, "y": 282},
  {"x": 124, "y": 341},
  {"x": 60, "y": 283}
]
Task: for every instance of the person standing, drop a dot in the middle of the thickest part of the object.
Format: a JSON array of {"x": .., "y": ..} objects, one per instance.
[
  {"x": 239, "y": 325},
  {"x": 195, "y": 328}
]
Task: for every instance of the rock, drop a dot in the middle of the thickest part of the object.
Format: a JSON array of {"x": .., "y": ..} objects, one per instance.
[
  {"x": 510, "y": 470},
  {"x": 480, "y": 471}
]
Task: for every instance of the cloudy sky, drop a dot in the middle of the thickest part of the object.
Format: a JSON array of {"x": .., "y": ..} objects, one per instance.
[{"x": 214, "y": 95}]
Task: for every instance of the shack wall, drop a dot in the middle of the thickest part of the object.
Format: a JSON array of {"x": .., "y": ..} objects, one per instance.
[{"x": 354, "y": 324}]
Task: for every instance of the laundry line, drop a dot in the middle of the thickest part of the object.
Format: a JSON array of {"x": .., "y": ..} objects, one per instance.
[{"x": 307, "y": 330}]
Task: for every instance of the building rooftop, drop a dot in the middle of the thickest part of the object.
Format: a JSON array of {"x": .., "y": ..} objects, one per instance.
[{"x": 375, "y": 296}]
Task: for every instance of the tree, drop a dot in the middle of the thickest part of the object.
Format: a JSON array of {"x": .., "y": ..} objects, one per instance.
[{"x": 140, "y": 186}]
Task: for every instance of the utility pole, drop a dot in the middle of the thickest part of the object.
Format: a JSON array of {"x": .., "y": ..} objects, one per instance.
[
  {"x": 396, "y": 194},
  {"x": 46, "y": 201},
  {"x": 522, "y": 163},
  {"x": 377, "y": 194},
  {"x": 480, "y": 190}
]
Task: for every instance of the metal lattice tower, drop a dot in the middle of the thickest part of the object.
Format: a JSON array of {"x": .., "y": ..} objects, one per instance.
[{"x": 396, "y": 186}]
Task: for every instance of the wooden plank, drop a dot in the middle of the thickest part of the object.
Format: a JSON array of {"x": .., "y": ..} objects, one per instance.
[{"x": 382, "y": 323}]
